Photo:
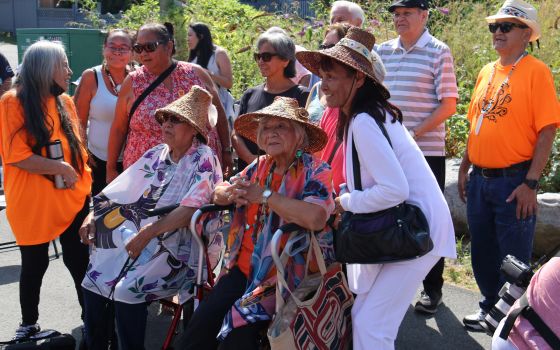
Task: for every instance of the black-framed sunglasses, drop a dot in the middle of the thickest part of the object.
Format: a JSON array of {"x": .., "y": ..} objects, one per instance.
[
  {"x": 265, "y": 56},
  {"x": 324, "y": 47},
  {"x": 148, "y": 47},
  {"x": 173, "y": 119},
  {"x": 505, "y": 27}
]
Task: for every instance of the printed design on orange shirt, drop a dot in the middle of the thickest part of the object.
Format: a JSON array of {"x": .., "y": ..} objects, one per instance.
[{"x": 500, "y": 107}]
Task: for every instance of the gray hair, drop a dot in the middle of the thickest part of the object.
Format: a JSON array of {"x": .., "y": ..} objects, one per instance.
[
  {"x": 283, "y": 45},
  {"x": 301, "y": 134},
  {"x": 38, "y": 66},
  {"x": 355, "y": 9}
]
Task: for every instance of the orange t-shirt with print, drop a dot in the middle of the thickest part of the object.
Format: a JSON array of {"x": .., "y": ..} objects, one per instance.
[
  {"x": 509, "y": 131},
  {"x": 36, "y": 210}
]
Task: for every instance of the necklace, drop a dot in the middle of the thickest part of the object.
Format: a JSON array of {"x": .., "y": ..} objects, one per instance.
[
  {"x": 116, "y": 87},
  {"x": 487, "y": 104},
  {"x": 262, "y": 212}
]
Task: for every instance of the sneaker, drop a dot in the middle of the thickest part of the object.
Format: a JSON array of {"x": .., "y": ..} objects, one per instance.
[
  {"x": 426, "y": 304},
  {"x": 475, "y": 321},
  {"x": 24, "y": 332}
]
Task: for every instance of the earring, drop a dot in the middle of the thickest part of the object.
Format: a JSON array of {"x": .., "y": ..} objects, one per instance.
[{"x": 299, "y": 153}]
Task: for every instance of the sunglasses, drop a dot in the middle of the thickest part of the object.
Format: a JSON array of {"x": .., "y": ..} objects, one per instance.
[
  {"x": 173, "y": 119},
  {"x": 148, "y": 47},
  {"x": 324, "y": 47},
  {"x": 265, "y": 56},
  {"x": 505, "y": 27},
  {"x": 119, "y": 50}
]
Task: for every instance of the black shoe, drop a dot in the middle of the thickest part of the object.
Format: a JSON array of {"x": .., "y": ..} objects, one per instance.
[
  {"x": 475, "y": 321},
  {"x": 25, "y": 331},
  {"x": 426, "y": 304}
]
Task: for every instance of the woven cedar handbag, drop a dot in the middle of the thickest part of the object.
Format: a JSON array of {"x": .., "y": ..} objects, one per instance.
[
  {"x": 394, "y": 234},
  {"x": 317, "y": 314}
]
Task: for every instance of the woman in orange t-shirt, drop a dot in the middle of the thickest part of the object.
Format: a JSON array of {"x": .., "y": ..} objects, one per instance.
[{"x": 32, "y": 116}]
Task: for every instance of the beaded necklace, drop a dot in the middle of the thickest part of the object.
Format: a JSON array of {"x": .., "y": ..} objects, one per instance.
[
  {"x": 263, "y": 207},
  {"x": 487, "y": 104},
  {"x": 116, "y": 87}
]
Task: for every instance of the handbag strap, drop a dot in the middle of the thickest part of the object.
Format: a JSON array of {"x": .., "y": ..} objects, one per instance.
[
  {"x": 126, "y": 267},
  {"x": 356, "y": 160},
  {"x": 281, "y": 281},
  {"x": 151, "y": 88}
]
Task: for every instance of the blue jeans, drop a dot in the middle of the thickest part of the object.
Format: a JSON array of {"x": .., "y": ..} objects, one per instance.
[{"x": 495, "y": 231}]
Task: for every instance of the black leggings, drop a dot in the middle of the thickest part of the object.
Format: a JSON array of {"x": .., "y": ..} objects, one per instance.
[
  {"x": 205, "y": 324},
  {"x": 35, "y": 260}
]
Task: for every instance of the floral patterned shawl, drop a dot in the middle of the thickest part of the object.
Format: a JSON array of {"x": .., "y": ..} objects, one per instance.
[
  {"x": 310, "y": 180},
  {"x": 167, "y": 264}
]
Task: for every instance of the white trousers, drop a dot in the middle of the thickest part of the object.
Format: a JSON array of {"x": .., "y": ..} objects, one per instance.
[{"x": 378, "y": 313}]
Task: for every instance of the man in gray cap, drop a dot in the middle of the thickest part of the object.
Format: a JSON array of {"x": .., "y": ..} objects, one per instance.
[{"x": 421, "y": 80}]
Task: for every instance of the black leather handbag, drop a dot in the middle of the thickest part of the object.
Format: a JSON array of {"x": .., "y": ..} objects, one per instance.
[{"x": 394, "y": 234}]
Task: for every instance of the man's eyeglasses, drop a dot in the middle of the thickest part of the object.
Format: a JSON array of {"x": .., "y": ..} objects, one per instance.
[
  {"x": 265, "y": 56},
  {"x": 505, "y": 27},
  {"x": 119, "y": 50},
  {"x": 148, "y": 47},
  {"x": 324, "y": 47},
  {"x": 173, "y": 119}
]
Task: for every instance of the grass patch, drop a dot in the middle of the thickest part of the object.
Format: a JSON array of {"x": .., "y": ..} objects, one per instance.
[
  {"x": 7, "y": 38},
  {"x": 459, "y": 272}
]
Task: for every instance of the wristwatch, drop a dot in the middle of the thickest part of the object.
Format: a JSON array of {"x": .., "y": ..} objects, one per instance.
[
  {"x": 532, "y": 184},
  {"x": 265, "y": 195}
]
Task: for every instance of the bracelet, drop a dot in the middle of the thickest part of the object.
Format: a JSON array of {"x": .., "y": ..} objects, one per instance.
[{"x": 227, "y": 150}]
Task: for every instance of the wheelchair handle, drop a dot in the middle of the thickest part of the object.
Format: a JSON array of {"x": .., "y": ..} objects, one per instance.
[{"x": 163, "y": 210}]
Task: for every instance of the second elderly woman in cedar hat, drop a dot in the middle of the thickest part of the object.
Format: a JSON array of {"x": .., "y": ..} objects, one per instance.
[{"x": 287, "y": 184}]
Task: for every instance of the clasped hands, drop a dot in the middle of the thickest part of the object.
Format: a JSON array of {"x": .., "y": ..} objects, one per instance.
[{"x": 242, "y": 192}]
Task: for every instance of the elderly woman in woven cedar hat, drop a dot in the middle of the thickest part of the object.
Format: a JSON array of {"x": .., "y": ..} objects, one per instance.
[
  {"x": 181, "y": 170},
  {"x": 287, "y": 184},
  {"x": 389, "y": 172}
]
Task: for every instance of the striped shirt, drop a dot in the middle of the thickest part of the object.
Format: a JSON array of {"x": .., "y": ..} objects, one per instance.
[{"x": 418, "y": 79}]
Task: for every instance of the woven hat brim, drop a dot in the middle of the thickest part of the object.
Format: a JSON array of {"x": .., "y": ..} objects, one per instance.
[
  {"x": 246, "y": 125},
  {"x": 166, "y": 110},
  {"x": 312, "y": 59},
  {"x": 535, "y": 28}
]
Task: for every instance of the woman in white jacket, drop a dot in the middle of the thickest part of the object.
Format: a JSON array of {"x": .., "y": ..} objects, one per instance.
[{"x": 389, "y": 176}]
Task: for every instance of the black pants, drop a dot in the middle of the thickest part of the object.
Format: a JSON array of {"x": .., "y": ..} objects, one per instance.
[
  {"x": 99, "y": 173},
  {"x": 35, "y": 260},
  {"x": 433, "y": 282},
  {"x": 205, "y": 324},
  {"x": 130, "y": 323}
]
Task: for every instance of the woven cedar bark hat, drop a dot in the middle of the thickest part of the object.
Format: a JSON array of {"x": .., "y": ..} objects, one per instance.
[
  {"x": 195, "y": 107},
  {"x": 521, "y": 11},
  {"x": 354, "y": 50},
  {"x": 283, "y": 107}
]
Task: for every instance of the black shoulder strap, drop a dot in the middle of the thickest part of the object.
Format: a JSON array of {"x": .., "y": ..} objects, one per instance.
[
  {"x": 151, "y": 88},
  {"x": 356, "y": 160},
  {"x": 333, "y": 152},
  {"x": 95, "y": 76},
  {"x": 527, "y": 311}
]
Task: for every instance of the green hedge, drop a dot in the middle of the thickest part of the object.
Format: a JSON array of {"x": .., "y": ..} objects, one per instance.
[{"x": 460, "y": 24}]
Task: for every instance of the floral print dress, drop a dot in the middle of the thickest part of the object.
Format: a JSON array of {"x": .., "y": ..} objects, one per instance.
[
  {"x": 310, "y": 180},
  {"x": 144, "y": 131},
  {"x": 167, "y": 265}
]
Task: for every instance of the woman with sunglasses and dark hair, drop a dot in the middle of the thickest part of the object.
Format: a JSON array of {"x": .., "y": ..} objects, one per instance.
[
  {"x": 275, "y": 57},
  {"x": 214, "y": 59},
  {"x": 96, "y": 98},
  {"x": 139, "y": 132}
]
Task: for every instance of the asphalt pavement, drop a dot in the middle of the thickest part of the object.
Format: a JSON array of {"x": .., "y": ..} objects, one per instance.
[{"x": 59, "y": 309}]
